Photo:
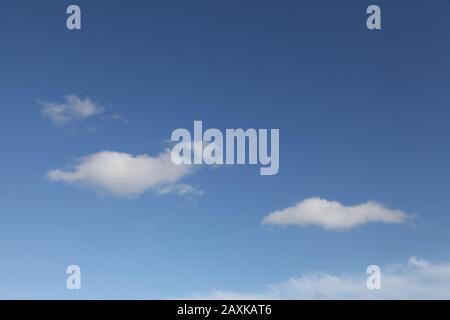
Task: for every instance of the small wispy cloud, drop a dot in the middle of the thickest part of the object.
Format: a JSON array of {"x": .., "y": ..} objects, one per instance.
[
  {"x": 181, "y": 189},
  {"x": 332, "y": 215},
  {"x": 116, "y": 116},
  {"x": 417, "y": 279},
  {"x": 124, "y": 175},
  {"x": 73, "y": 108}
]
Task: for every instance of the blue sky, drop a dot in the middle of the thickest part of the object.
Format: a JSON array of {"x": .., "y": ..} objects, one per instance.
[{"x": 363, "y": 116}]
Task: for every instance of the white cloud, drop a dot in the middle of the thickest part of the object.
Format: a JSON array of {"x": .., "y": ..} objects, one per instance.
[
  {"x": 418, "y": 279},
  {"x": 180, "y": 189},
  {"x": 125, "y": 175},
  {"x": 73, "y": 108},
  {"x": 116, "y": 116},
  {"x": 332, "y": 215}
]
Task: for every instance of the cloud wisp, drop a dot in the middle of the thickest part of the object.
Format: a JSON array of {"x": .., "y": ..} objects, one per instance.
[
  {"x": 417, "y": 279},
  {"x": 71, "y": 109},
  {"x": 125, "y": 175},
  {"x": 332, "y": 215}
]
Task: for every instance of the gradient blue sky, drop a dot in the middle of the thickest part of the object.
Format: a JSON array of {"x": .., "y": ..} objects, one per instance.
[{"x": 363, "y": 115}]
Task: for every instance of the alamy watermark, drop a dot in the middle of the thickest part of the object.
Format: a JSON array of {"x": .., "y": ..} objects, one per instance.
[
  {"x": 235, "y": 146},
  {"x": 73, "y": 281},
  {"x": 374, "y": 280}
]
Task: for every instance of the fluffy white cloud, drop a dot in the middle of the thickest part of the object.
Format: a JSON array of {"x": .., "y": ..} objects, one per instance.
[
  {"x": 73, "y": 108},
  {"x": 418, "y": 279},
  {"x": 125, "y": 175},
  {"x": 332, "y": 215}
]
